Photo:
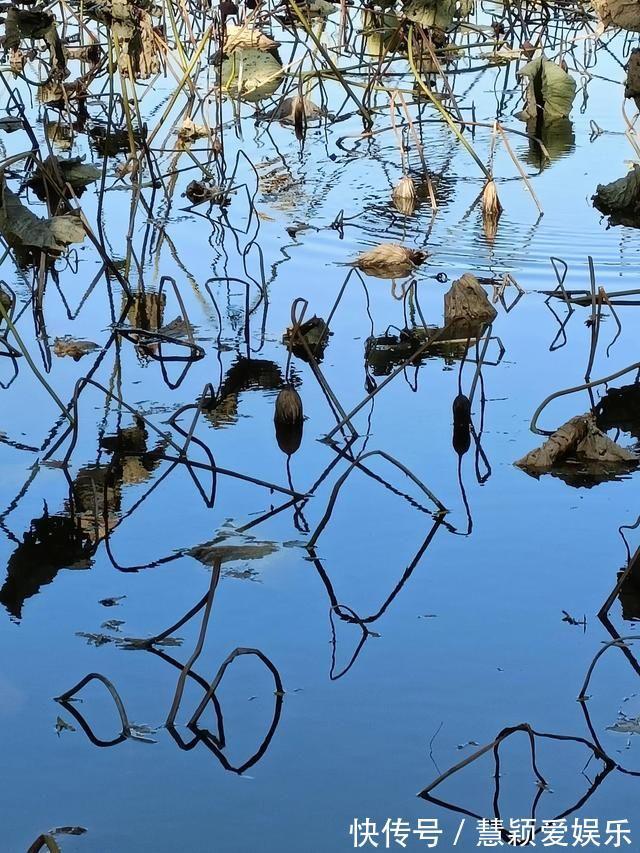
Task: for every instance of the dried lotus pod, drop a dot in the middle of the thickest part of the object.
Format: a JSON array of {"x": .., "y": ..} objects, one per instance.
[
  {"x": 491, "y": 209},
  {"x": 288, "y": 406},
  {"x": 288, "y": 420},
  {"x": 404, "y": 195}
]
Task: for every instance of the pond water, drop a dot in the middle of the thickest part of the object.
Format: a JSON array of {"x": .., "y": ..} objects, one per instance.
[{"x": 394, "y": 640}]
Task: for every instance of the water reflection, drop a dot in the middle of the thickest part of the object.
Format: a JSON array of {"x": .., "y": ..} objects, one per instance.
[
  {"x": 557, "y": 137},
  {"x": 211, "y": 276},
  {"x": 53, "y": 542},
  {"x": 215, "y": 742}
]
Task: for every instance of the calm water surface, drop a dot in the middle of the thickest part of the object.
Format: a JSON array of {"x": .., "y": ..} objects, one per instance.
[{"x": 464, "y": 614}]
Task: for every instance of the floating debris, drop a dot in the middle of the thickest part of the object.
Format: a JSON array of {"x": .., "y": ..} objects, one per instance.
[
  {"x": 390, "y": 260},
  {"x": 580, "y": 444},
  {"x": 311, "y": 335},
  {"x": 136, "y": 643},
  {"x": 96, "y": 640},
  {"x": 199, "y": 191},
  {"x": 567, "y": 617},
  {"x": 189, "y": 131},
  {"x": 230, "y": 546},
  {"x": 112, "y": 624},
  {"x": 68, "y": 830},
  {"x": 384, "y": 352},
  {"x": 468, "y": 743},
  {"x": 9, "y": 124},
  {"x": 63, "y": 726},
  {"x": 625, "y": 725},
  {"x": 75, "y": 349},
  {"x": 112, "y": 602},
  {"x": 294, "y": 110}
]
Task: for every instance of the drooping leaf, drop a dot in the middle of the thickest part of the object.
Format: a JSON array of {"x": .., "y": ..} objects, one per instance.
[
  {"x": 619, "y": 13},
  {"x": 34, "y": 24},
  {"x": 632, "y": 84},
  {"x": 251, "y": 74},
  {"x": 23, "y": 229},
  {"x": 9, "y": 124},
  {"x": 247, "y": 36},
  {"x": 438, "y": 14},
  {"x": 73, "y": 171},
  {"x": 382, "y": 31},
  {"x": 550, "y": 91},
  {"x": 320, "y": 8},
  {"x": 139, "y": 49},
  {"x": 76, "y": 172},
  {"x": 288, "y": 108},
  {"x": 131, "y": 26},
  {"x": 620, "y": 198}
]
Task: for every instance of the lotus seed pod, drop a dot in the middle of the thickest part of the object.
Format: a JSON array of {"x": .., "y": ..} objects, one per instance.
[{"x": 288, "y": 407}]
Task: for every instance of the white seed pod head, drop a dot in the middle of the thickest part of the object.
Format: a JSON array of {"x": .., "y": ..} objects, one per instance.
[
  {"x": 404, "y": 189},
  {"x": 491, "y": 206}
]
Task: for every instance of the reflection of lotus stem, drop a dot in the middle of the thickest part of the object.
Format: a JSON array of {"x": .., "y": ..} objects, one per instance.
[
  {"x": 45, "y": 840},
  {"x": 31, "y": 363},
  {"x": 518, "y": 166},
  {"x": 436, "y": 103},
  {"x": 125, "y": 97},
  {"x": 366, "y": 115},
  {"x": 185, "y": 77}
]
